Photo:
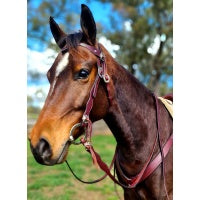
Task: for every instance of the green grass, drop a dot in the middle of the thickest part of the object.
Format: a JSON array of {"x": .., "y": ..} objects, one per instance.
[{"x": 57, "y": 182}]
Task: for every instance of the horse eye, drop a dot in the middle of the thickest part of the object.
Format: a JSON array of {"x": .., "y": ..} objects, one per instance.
[{"x": 83, "y": 73}]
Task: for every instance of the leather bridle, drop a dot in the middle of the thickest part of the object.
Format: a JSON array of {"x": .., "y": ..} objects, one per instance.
[
  {"x": 102, "y": 74},
  {"x": 86, "y": 123}
]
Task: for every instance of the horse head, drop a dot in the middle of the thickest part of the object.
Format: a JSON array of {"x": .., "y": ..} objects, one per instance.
[{"x": 71, "y": 78}]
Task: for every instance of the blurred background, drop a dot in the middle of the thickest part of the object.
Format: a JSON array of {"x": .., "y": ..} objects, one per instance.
[{"x": 138, "y": 34}]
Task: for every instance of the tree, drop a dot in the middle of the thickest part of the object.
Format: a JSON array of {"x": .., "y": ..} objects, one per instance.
[
  {"x": 146, "y": 45},
  {"x": 64, "y": 11},
  {"x": 144, "y": 37}
]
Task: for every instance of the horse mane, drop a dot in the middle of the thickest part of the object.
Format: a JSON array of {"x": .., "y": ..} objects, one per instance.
[{"x": 71, "y": 41}]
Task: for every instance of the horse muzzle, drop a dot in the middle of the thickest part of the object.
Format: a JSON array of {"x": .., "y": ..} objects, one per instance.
[{"x": 42, "y": 152}]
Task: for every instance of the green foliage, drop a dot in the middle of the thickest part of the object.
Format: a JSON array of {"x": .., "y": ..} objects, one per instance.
[
  {"x": 30, "y": 107},
  {"x": 149, "y": 19}
]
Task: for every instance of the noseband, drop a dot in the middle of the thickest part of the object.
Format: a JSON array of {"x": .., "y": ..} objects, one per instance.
[{"x": 86, "y": 123}]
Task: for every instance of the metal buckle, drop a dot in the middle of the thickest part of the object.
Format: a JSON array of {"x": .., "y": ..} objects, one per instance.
[
  {"x": 106, "y": 78},
  {"x": 100, "y": 71},
  {"x": 87, "y": 144},
  {"x": 71, "y": 138},
  {"x": 101, "y": 56},
  {"x": 85, "y": 118}
]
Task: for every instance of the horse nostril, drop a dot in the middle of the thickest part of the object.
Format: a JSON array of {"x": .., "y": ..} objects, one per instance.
[{"x": 44, "y": 149}]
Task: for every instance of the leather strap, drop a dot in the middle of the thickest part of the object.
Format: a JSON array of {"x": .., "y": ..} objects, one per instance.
[
  {"x": 92, "y": 96},
  {"x": 149, "y": 166},
  {"x": 153, "y": 165},
  {"x": 157, "y": 160},
  {"x": 97, "y": 180}
]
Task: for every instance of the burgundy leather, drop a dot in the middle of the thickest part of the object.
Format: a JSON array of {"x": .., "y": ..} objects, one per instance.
[
  {"x": 157, "y": 160},
  {"x": 146, "y": 171},
  {"x": 149, "y": 166},
  {"x": 169, "y": 97},
  {"x": 93, "y": 93},
  {"x": 94, "y": 181}
]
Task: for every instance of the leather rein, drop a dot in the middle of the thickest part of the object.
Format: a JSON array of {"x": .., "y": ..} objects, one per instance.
[{"x": 86, "y": 123}]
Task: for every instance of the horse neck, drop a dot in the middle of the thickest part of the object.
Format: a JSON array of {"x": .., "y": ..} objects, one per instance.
[{"x": 131, "y": 117}]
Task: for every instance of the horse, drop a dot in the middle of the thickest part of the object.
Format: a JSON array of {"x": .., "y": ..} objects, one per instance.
[{"x": 86, "y": 85}]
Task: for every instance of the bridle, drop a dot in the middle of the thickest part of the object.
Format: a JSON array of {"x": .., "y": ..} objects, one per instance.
[
  {"x": 86, "y": 123},
  {"x": 102, "y": 74}
]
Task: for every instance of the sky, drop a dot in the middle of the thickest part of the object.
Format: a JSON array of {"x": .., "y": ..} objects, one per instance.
[
  {"x": 40, "y": 59},
  {"x": 95, "y": 6}
]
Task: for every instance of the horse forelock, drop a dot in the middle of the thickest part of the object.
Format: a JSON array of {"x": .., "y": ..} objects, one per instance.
[{"x": 71, "y": 40}]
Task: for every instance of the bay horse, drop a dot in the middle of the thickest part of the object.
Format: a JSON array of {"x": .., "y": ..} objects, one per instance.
[{"x": 86, "y": 85}]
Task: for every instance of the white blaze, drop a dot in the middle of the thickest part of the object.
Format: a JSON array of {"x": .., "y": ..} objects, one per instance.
[
  {"x": 62, "y": 64},
  {"x": 60, "y": 67}
]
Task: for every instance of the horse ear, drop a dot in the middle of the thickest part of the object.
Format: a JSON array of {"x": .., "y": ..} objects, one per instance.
[
  {"x": 57, "y": 32},
  {"x": 88, "y": 25}
]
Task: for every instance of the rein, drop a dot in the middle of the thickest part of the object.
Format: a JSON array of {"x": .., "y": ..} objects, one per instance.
[{"x": 150, "y": 164}]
